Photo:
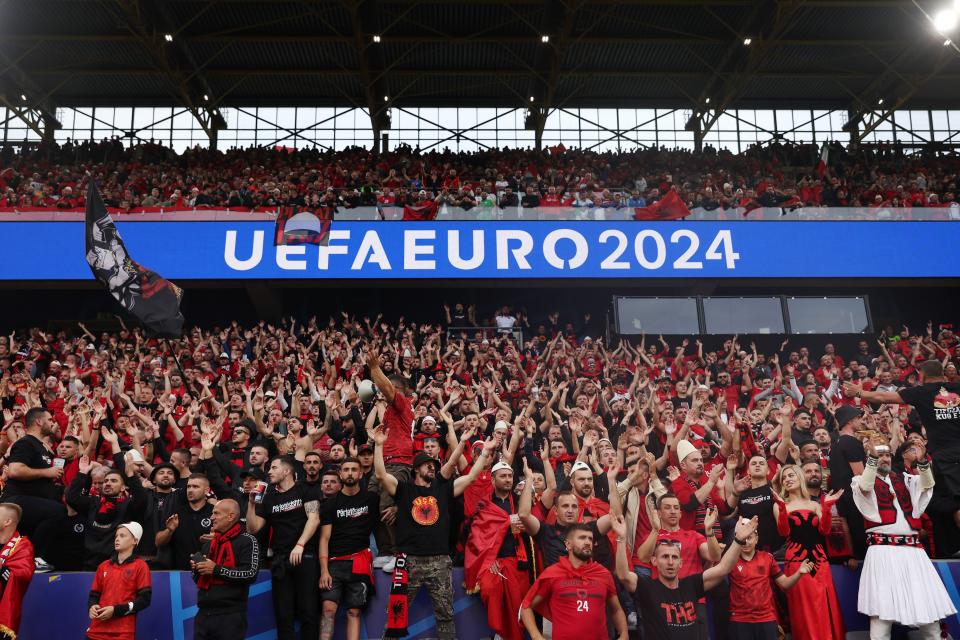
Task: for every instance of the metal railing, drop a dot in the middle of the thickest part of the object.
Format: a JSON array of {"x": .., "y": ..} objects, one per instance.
[{"x": 512, "y": 214}]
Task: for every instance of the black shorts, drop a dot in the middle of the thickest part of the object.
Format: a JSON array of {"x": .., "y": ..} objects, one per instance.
[{"x": 348, "y": 590}]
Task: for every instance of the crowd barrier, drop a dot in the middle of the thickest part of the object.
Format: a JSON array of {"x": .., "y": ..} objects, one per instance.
[
  {"x": 56, "y": 607},
  {"x": 496, "y": 214}
]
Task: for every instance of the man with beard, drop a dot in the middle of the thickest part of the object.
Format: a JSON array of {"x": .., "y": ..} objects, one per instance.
[
  {"x": 696, "y": 490},
  {"x": 106, "y": 511},
  {"x": 292, "y": 511},
  {"x": 163, "y": 477},
  {"x": 188, "y": 525},
  {"x": 495, "y": 557},
  {"x": 899, "y": 583},
  {"x": 16, "y": 569},
  {"x": 575, "y": 594},
  {"x": 346, "y": 564},
  {"x": 312, "y": 465},
  {"x": 550, "y": 536},
  {"x": 31, "y": 475},
  {"x": 423, "y": 534},
  {"x": 668, "y": 602}
]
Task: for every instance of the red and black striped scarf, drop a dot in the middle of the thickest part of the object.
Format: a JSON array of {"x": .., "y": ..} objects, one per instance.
[{"x": 221, "y": 552}]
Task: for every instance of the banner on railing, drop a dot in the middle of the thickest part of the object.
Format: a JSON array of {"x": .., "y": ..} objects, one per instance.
[{"x": 458, "y": 249}]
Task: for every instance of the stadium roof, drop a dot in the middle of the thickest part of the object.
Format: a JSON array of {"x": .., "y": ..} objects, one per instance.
[{"x": 848, "y": 54}]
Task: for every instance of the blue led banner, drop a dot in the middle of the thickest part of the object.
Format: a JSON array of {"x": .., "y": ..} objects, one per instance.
[{"x": 562, "y": 249}]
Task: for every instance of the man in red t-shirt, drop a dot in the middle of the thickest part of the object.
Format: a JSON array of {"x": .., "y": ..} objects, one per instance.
[
  {"x": 575, "y": 594},
  {"x": 121, "y": 588},
  {"x": 696, "y": 490},
  {"x": 398, "y": 422},
  {"x": 753, "y": 613}
]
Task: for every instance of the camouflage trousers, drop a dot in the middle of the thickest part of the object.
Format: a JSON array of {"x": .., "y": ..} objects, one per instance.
[{"x": 435, "y": 574}]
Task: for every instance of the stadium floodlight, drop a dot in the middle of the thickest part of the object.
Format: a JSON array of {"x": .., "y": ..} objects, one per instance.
[
  {"x": 168, "y": 37},
  {"x": 945, "y": 20},
  {"x": 376, "y": 39},
  {"x": 531, "y": 98},
  {"x": 880, "y": 101},
  {"x": 386, "y": 98},
  {"x": 23, "y": 97},
  {"x": 544, "y": 39},
  {"x": 206, "y": 98},
  {"x": 747, "y": 41},
  {"x": 707, "y": 101}
]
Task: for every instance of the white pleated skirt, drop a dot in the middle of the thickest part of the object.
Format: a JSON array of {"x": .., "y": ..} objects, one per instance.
[{"x": 900, "y": 584}]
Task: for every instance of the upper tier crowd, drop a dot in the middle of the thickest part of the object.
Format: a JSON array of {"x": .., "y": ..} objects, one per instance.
[
  {"x": 148, "y": 175},
  {"x": 564, "y": 456}
]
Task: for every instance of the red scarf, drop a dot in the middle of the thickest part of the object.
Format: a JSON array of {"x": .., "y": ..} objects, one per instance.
[{"x": 221, "y": 552}]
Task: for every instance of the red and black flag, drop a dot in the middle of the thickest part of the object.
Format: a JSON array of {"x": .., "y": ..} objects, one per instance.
[
  {"x": 152, "y": 299},
  {"x": 670, "y": 207},
  {"x": 303, "y": 227},
  {"x": 420, "y": 211}
]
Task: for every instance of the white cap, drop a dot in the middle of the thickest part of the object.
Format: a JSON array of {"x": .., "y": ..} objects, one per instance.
[
  {"x": 501, "y": 425},
  {"x": 135, "y": 455},
  {"x": 500, "y": 466},
  {"x": 134, "y": 528},
  {"x": 579, "y": 465},
  {"x": 430, "y": 418},
  {"x": 585, "y": 338},
  {"x": 684, "y": 448}
]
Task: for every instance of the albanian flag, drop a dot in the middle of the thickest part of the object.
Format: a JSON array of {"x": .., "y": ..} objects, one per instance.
[
  {"x": 669, "y": 207},
  {"x": 153, "y": 300},
  {"x": 423, "y": 210},
  {"x": 303, "y": 227}
]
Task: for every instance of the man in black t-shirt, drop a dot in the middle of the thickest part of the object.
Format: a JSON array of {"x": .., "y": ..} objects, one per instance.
[
  {"x": 292, "y": 510},
  {"x": 423, "y": 525},
  {"x": 756, "y": 499},
  {"x": 346, "y": 564},
  {"x": 668, "y": 604},
  {"x": 846, "y": 461},
  {"x": 187, "y": 522},
  {"x": 31, "y": 474},
  {"x": 937, "y": 400}
]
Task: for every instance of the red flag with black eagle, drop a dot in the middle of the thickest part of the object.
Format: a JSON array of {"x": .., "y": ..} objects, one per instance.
[
  {"x": 154, "y": 300},
  {"x": 296, "y": 226},
  {"x": 669, "y": 207}
]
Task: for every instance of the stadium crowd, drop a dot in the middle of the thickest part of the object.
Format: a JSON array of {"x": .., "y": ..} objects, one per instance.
[
  {"x": 641, "y": 473},
  {"x": 149, "y": 176}
]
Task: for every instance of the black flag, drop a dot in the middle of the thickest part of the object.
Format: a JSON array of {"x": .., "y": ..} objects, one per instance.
[{"x": 155, "y": 301}]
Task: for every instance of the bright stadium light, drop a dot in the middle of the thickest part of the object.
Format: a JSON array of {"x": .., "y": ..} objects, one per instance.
[
  {"x": 206, "y": 98},
  {"x": 376, "y": 39},
  {"x": 945, "y": 20},
  {"x": 23, "y": 97},
  {"x": 707, "y": 101},
  {"x": 168, "y": 37},
  {"x": 386, "y": 98},
  {"x": 544, "y": 39},
  {"x": 747, "y": 41},
  {"x": 531, "y": 98},
  {"x": 880, "y": 101}
]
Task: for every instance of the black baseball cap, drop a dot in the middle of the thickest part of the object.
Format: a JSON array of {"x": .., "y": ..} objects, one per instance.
[
  {"x": 163, "y": 465},
  {"x": 423, "y": 458},
  {"x": 846, "y": 413},
  {"x": 366, "y": 446},
  {"x": 253, "y": 472}
]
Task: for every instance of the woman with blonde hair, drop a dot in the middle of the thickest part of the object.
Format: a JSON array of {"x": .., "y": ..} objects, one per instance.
[{"x": 814, "y": 609}]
